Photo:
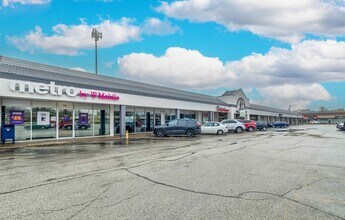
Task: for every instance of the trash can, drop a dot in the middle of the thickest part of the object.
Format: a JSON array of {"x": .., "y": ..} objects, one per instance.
[{"x": 7, "y": 132}]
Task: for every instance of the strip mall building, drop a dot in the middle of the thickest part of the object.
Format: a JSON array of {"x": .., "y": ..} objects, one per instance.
[{"x": 46, "y": 102}]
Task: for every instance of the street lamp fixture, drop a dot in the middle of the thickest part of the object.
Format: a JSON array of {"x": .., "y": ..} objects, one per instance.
[{"x": 97, "y": 35}]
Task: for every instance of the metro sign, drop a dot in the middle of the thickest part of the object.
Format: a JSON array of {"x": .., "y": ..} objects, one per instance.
[{"x": 57, "y": 90}]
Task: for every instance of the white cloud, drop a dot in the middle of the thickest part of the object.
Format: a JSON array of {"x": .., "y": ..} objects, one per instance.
[
  {"x": 288, "y": 21},
  {"x": 78, "y": 69},
  {"x": 177, "y": 67},
  {"x": 297, "y": 95},
  {"x": 155, "y": 26},
  {"x": 109, "y": 64},
  {"x": 11, "y": 3},
  {"x": 306, "y": 64},
  {"x": 69, "y": 40},
  {"x": 72, "y": 39}
]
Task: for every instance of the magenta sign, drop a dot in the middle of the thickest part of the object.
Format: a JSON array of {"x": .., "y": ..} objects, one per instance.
[
  {"x": 99, "y": 95},
  {"x": 17, "y": 117}
]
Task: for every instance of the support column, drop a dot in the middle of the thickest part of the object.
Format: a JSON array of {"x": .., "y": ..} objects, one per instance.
[
  {"x": 162, "y": 118},
  {"x": 57, "y": 123},
  {"x": 122, "y": 121},
  {"x": 199, "y": 116},
  {"x": 73, "y": 123},
  {"x": 0, "y": 116},
  {"x": 111, "y": 119},
  {"x": 259, "y": 118},
  {"x": 211, "y": 118},
  {"x": 178, "y": 112}
]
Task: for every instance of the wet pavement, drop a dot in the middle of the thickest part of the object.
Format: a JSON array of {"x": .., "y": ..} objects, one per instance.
[{"x": 295, "y": 173}]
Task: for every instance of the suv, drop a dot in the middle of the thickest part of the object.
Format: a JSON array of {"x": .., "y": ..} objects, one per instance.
[
  {"x": 234, "y": 125},
  {"x": 261, "y": 125},
  {"x": 189, "y": 127},
  {"x": 249, "y": 124}
]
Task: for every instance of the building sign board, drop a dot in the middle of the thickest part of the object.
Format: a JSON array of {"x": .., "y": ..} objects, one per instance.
[
  {"x": 222, "y": 109},
  {"x": 58, "y": 90},
  {"x": 17, "y": 117}
]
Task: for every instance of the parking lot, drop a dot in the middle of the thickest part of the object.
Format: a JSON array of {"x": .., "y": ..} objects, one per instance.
[{"x": 275, "y": 174}]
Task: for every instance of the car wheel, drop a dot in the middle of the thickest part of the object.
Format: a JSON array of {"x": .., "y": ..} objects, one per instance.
[
  {"x": 264, "y": 128},
  {"x": 83, "y": 127},
  {"x": 284, "y": 126},
  {"x": 190, "y": 133},
  {"x": 238, "y": 130},
  {"x": 160, "y": 133},
  {"x": 69, "y": 127},
  {"x": 220, "y": 132},
  {"x": 250, "y": 129},
  {"x": 42, "y": 128}
]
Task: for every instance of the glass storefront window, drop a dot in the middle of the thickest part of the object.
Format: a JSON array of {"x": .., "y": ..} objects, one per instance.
[
  {"x": 83, "y": 123},
  {"x": 100, "y": 129},
  {"x": 65, "y": 123},
  {"x": 157, "y": 118},
  {"x": 43, "y": 123},
  {"x": 140, "y": 122},
  {"x": 116, "y": 121},
  {"x": 22, "y": 130},
  {"x": 130, "y": 122}
]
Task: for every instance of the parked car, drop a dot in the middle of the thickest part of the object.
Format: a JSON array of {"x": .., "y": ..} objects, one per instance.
[
  {"x": 314, "y": 122},
  {"x": 35, "y": 126},
  {"x": 280, "y": 124},
  {"x": 213, "y": 127},
  {"x": 189, "y": 127},
  {"x": 340, "y": 126},
  {"x": 129, "y": 127},
  {"x": 69, "y": 125},
  {"x": 261, "y": 125},
  {"x": 249, "y": 124},
  {"x": 234, "y": 125}
]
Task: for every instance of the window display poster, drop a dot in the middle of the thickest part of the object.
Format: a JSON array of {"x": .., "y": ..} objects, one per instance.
[
  {"x": 83, "y": 118},
  {"x": 43, "y": 118},
  {"x": 17, "y": 117}
]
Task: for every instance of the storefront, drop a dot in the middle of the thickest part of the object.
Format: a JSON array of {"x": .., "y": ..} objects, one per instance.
[{"x": 46, "y": 102}]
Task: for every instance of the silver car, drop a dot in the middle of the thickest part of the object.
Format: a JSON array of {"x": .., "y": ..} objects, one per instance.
[{"x": 234, "y": 125}]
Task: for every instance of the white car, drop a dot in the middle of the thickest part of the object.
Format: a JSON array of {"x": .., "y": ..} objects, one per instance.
[
  {"x": 234, "y": 125},
  {"x": 213, "y": 127}
]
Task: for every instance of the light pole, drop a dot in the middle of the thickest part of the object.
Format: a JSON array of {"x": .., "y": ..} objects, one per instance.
[{"x": 97, "y": 35}]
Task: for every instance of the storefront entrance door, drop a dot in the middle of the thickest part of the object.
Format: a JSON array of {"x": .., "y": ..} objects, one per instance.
[{"x": 65, "y": 123}]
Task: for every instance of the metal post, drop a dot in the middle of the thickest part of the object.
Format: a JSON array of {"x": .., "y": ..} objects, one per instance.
[{"x": 97, "y": 35}]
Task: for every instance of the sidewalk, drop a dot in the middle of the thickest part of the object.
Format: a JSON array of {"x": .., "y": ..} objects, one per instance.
[{"x": 80, "y": 140}]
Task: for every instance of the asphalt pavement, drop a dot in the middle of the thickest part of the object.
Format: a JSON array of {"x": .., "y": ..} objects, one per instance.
[{"x": 277, "y": 174}]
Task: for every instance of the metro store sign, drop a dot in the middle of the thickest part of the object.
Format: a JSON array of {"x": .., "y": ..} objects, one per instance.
[{"x": 58, "y": 90}]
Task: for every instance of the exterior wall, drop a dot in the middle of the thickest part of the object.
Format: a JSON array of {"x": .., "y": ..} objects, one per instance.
[{"x": 125, "y": 99}]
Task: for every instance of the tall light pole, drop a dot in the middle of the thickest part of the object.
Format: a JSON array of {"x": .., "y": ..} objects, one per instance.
[{"x": 97, "y": 35}]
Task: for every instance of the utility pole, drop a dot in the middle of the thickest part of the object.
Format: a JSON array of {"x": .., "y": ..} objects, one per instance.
[{"x": 97, "y": 35}]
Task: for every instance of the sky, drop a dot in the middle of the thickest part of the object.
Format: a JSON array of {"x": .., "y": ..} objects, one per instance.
[{"x": 281, "y": 53}]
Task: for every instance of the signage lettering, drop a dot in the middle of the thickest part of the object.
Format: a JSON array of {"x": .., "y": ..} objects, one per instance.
[
  {"x": 57, "y": 90},
  {"x": 42, "y": 88}
]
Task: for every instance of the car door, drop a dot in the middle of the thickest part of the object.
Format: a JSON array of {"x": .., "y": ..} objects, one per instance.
[
  {"x": 216, "y": 127},
  {"x": 170, "y": 129},
  {"x": 207, "y": 128},
  {"x": 182, "y": 126},
  {"x": 231, "y": 125}
]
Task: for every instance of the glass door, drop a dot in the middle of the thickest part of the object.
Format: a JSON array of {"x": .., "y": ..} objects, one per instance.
[{"x": 65, "y": 123}]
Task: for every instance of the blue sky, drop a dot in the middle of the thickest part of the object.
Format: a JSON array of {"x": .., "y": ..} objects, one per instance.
[{"x": 282, "y": 54}]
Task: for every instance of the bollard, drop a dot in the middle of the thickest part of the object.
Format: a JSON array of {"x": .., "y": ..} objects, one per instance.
[{"x": 127, "y": 134}]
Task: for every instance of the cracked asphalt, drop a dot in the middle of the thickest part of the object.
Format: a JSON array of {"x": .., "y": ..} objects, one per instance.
[{"x": 278, "y": 174}]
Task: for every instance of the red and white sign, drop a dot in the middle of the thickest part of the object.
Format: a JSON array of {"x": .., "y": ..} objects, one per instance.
[{"x": 222, "y": 109}]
